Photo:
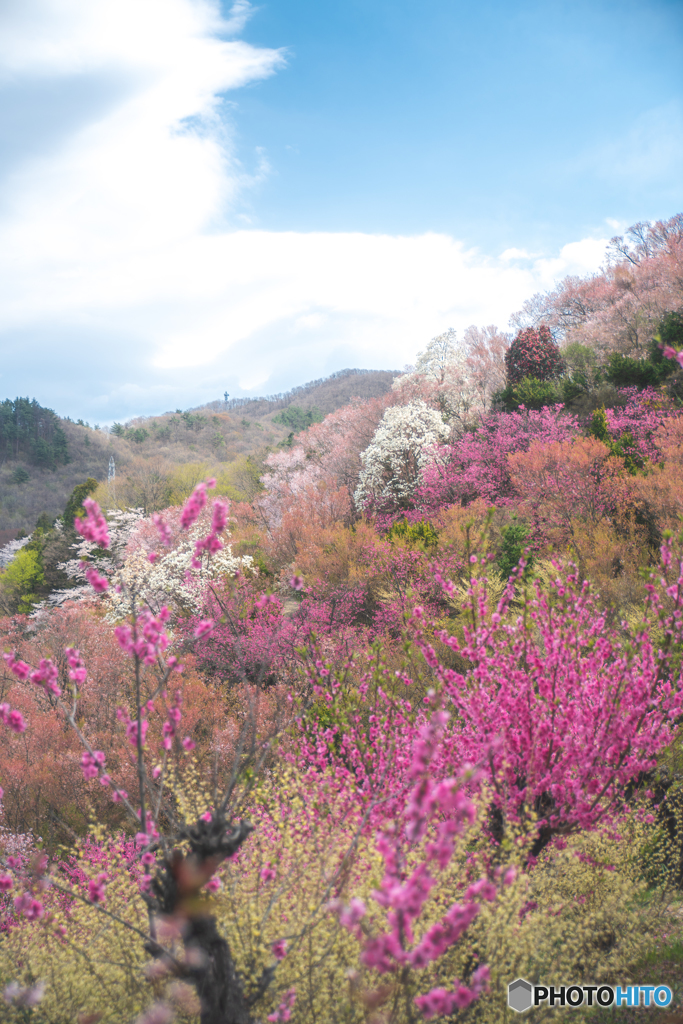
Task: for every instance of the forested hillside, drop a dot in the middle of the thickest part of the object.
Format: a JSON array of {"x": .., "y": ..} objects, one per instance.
[
  {"x": 362, "y": 727},
  {"x": 43, "y": 457}
]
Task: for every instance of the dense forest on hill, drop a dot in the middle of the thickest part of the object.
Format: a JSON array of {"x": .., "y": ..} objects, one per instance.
[
  {"x": 366, "y": 721},
  {"x": 42, "y": 457}
]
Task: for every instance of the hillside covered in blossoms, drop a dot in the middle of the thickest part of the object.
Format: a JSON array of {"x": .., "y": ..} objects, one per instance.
[{"x": 352, "y": 706}]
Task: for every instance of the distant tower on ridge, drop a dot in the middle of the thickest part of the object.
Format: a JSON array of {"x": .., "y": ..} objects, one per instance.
[
  {"x": 226, "y": 396},
  {"x": 112, "y": 470}
]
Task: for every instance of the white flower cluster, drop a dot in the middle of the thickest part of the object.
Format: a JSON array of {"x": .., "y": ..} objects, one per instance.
[
  {"x": 398, "y": 452},
  {"x": 171, "y": 578},
  {"x": 9, "y": 550},
  {"x": 121, "y": 525}
]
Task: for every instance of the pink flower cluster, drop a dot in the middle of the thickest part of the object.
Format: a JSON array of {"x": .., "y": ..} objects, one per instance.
[
  {"x": 442, "y": 1003},
  {"x": 170, "y": 726},
  {"x": 163, "y": 529},
  {"x": 46, "y": 675},
  {"x": 91, "y": 763},
  {"x": 78, "y": 673},
  {"x": 148, "y": 640},
  {"x": 284, "y": 1010},
  {"x": 96, "y": 888},
  {"x": 32, "y": 909},
  {"x": 14, "y": 720},
  {"x": 194, "y": 504},
  {"x": 211, "y": 544},
  {"x": 93, "y": 526},
  {"x": 131, "y": 725},
  {"x": 97, "y": 582}
]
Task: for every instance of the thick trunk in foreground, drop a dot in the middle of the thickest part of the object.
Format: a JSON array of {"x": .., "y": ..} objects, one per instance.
[{"x": 216, "y": 981}]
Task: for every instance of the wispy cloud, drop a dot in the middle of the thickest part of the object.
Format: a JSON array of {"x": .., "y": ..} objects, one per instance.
[{"x": 649, "y": 153}]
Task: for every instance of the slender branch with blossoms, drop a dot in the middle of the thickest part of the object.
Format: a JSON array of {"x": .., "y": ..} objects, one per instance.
[{"x": 180, "y": 858}]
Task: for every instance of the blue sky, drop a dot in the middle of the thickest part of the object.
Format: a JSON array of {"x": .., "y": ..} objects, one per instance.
[
  {"x": 197, "y": 197},
  {"x": 502, "y": 123}
]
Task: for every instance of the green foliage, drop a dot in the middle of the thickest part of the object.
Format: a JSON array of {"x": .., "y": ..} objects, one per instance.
[
  {"x": 137, "y": 434},
  {"x": 669, "y": 332},
  {"x": 530, "y": 392},
  {"x": 118, "y": 429},
  {"x": 20, "y": 581},
  {"x": 624, "y": 372},
  {"x": 31, "y": 433},
  {"x": 513, "y": 544},
  {"x": 193, "y": 420},
  {"x": 74, "y": 506},
  {"x": 44, "y": 522},
  {"x": 20, "y": 475},
  {"x": 298, "y": 419},
  {"x": 420, "y": 535}
]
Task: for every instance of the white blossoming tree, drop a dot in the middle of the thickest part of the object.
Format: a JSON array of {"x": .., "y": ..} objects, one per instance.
[
  {"x": 168, "y": 577},
  {"x": 399, "y": 451}
]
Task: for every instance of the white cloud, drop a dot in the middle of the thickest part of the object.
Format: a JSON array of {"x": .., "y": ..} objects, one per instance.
[
  {"x": 114, "y": 249},
  {"x": 517, "y": 254}
]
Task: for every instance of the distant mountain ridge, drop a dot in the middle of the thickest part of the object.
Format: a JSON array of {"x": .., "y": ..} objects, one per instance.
[{"x": 216, "y": 434}]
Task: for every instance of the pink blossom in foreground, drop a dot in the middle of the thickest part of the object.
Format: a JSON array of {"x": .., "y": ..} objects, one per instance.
[
  {"x": 442, "y": 1003},
  {"x": 14, "y": 720},
  {"x": 194, "y": 504},
  {"x": 163, "y": 529},
  {"x": 220, "y": 516},
  {"x": 19, "y": 668},
  {"x": 284, "y": 1010},
  {"x": 97, "y": 582},
  {"x": 279, "y": 949},
  {"x": 30, "y": 908},
  {"x": 77, "y": 673},
  {"x": 671, "y": 353},
  {"x": 96, "y": 888},
  {"x": 94, "y": 526},
  {"x": 16, "y": 995},
  {"x": 267, "y": 873},
  {"x": 160, "y": 1013},
  {"x": 204, "y": 628},
  {"x": 46, "y": 675}
]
